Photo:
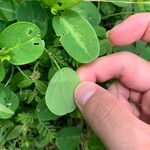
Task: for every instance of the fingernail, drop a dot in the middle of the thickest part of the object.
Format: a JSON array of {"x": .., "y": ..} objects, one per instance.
[{"x": 84, "y": 92}]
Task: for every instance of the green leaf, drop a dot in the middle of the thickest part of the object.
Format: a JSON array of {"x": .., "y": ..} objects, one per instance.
[
  {"x": 59, "y": 95},
  {"x": 27, "y": 11},
  {"x": 138, "y": 48},
  {"x": 89, "y": 11},
  {"x": 42, "y": 143},
  {"x": 2, "y": 72},
  {"x": 80, "y": 43},
  {"x": 101, "y": 32},
  {"x": 147, "y": 6},
  {"x": 107, "y": 8},
  {"x": 46, "y": 130},
  {"x": 8, "y": 102},
  {"x": 41, "y": 86},
  {"x": 23, "y": 42},
  {"x": 43, "y": 113},
  {"x": 121, "y": 3},
  {"x": 106, "y": 47},
  {"x": 2, "y": 26},
  {"x": 68, "y": 138},
  {"x": 49, "y": 3},
  {"x": 4, "y": 54},
  {"x": 94, "y": 142},
  {"x": 24, "y": 83},
  {"x": 20, "y": 80},
  {"x": 146, "y": 53},
  {"x": 51, "y": 72},
  {"x": 14, "y": 133},
  {"x": 8, "y": 10},
  {"x": 58, "y": 5},
  {"x": 5, "y": 112}
]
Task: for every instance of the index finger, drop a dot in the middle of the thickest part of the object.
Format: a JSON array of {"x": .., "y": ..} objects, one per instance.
[
  {"x": 134, "y": 28},
  {"x": 131, "y": 70}
]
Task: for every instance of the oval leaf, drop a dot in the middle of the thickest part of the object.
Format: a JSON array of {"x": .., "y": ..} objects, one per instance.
[
  {"x": 68, "y": 136},
  {"x": 23, "y": 43},
  {"x": 106, "y": 46},
  {"x": 81, "y": 43},
  {"x": 59, "y": 95},
  {"x": 58, "y": 5},
  {"x": 27, "y": 11},
  {"x": 21, "y": 81},
  {"x": 14, "y": 133},
  {"x": 8, "y": 102},
  {"x": 43, "y": 112},
  {"x": 8, "y": 10},
  {"x": 24, "y": 83},
  {"x": 89, "y": 11},
  {"x": 40, "y": 86},
  {"x": 5, "y": 112},
  {"x": 121, "y": 3}
]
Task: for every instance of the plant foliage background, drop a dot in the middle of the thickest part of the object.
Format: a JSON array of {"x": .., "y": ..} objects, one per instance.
[{"x": 41, "y": 44}]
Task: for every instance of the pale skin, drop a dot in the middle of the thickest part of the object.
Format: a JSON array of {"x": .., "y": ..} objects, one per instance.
[{"x": 121, "y": 125}]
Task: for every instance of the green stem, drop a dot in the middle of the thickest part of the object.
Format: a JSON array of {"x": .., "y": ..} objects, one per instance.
[
  {"x": 119, "y": 1},
  {"x": 116, "y": 14},
  {"x": 23, "y": 73},
  {"x": 10, "y": 78},
  {"x": 98, "y": 7},
  {"x": 52, "y": 59},
  {"x": 36, "y": 65},
  {"x": 53, "y": 46}
]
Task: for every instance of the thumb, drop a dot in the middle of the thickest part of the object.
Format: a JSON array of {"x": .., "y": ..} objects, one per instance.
[{"x": 107, "y": 117}]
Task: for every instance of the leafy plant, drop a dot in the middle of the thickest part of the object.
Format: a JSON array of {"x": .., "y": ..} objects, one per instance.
[
  {"x": 42, "y": 43},
  {"x": 62, "y": 86}
]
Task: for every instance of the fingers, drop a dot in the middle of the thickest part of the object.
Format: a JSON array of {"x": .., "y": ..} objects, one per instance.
[
  {"x": 134, "y": 28},
  {"x": 105, "y": 114},
  {"x": 130, "y": 69},
  {"x": 145, "y": 104},
  {"x": 124, "y": 94},
  {"x": 121, "y": 93},
  {"x": 135, "y": 96}
]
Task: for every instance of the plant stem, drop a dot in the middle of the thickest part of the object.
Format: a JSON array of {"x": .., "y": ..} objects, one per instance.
[
  {"x": 10, "y": 78},
  {"x": 118, "y": 1},
  {"x": 116, "y": 14},
  {"x": 23, "y": 73},
  {"x": 98, "y": 7},
  {"x": 52, "y": 59},
  {"x": 35, "y": 67},
  {"x": 53, "y": 46}
]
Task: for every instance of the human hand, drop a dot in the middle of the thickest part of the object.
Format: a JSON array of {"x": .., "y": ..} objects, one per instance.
[{"x": 122, "y": 125}]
